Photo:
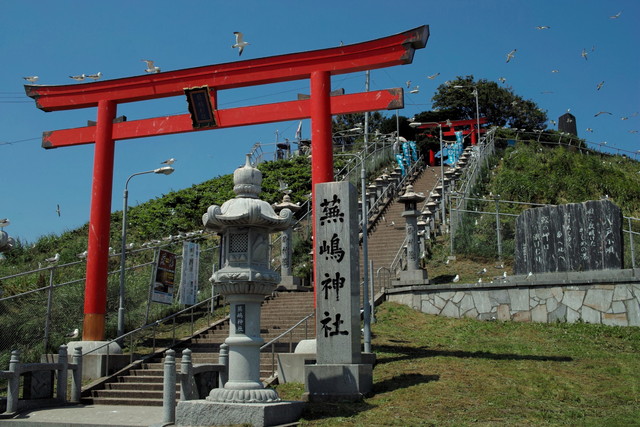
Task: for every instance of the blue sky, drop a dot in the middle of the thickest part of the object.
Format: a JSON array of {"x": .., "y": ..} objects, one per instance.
[{"x": 56, "y": 39}]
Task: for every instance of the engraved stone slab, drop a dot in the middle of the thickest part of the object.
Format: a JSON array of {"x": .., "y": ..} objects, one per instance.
[
  {"x": 337, "y": 269},
  {"x": 573, "y": 237}
]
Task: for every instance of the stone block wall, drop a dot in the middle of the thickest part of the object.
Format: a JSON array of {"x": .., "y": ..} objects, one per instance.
[{"x": 520, "y": 300}]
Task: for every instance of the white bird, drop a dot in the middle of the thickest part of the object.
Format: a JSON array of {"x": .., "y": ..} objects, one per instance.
[
  {"x": 73, "y": 334},
  {"x": 511, "y": 55},
  {"x": 504, "y": 274},
  {"x": 415, "y": 89},
  {"x": 433, "y": 76},
  {"x": 78, "y": 78},
  {"x": 168, "y": 161},
  {"x": 624, "y": 118},
  {"x": 543, "y": 27},
  {"x": 483, "y": 271},
  {"x": 4, "y": 222},
  {"x": 83, "y": 255},
  {"x": 480, "y": 280},
  {"x": 529, "y": 275},
  {"x": 53, "y": 259},
  {"x": 408, "y": 83},
  {"x": 31, "y": 79},
  {"x": 600, "y": 85},
  {"x": 95, "y": 76},
  {"x": 602, "y": 112},
  {"x": 58, "y": 209},
  {"x": 240, "y": 43},
  {"x": 589, "y": 130},
  {"x": 457, "y": 278},
  {"x": 584, "y": 54},
  {"x": 555, "y": 71},
  {"x": 616, "y": 16},
  {"x": 502, "y": 80},
  {"x": 633, "y": 131},
  {"x": 130, "y": 246},
  {"x": 151, "y": 68}
]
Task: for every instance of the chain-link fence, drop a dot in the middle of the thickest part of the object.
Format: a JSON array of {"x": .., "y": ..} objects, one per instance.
[{"x": 40, "y": 309}]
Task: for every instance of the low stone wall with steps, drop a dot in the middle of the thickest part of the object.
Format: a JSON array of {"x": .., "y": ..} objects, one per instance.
[{"x": 609, "y": 297}]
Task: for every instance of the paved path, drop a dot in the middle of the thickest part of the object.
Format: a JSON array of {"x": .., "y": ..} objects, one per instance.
[{"x": 88, "y": 415}]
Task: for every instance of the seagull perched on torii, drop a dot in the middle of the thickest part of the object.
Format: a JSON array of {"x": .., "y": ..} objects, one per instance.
[{"x": 150, "y": 67}]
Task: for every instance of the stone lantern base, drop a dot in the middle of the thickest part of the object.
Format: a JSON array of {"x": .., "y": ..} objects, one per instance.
[{"x": 206, "y": 413}]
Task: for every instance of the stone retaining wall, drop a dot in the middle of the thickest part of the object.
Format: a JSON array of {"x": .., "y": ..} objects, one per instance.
[{"x": 610, "y": 297}]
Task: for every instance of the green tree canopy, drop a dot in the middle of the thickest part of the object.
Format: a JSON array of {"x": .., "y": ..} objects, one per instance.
[{"x": 500, "y": 105}]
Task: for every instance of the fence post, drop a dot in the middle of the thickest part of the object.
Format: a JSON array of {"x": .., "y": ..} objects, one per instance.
[
  {"x": 223, "y": 359},
  {"x": 169, "y": 387},
  {"x": 76, "y": 384},
  {"x": 62, "y": 373},
  {"x": 47, "y": 320},
  {"x": 186, "y": 373},
  {"x": 13, "y": 389},
  {"x": 498, "y": 235},
  {"x": 633, "y": 251}
]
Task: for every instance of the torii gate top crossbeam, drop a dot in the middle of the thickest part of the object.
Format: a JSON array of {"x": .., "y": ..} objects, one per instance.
[{"x": 384, "y": 52}]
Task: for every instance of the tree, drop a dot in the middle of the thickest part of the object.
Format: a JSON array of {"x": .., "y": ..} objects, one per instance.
[{"x": 498, "y": 104}]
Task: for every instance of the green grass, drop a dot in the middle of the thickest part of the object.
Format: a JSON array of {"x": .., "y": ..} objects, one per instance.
[{"x": 455, "y": 372}]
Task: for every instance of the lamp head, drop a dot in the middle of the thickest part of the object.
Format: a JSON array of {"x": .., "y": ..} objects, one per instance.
[{"x": 165, "y": 170}]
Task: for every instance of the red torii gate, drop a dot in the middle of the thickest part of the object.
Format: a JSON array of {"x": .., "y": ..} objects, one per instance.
[
  {"x": 318, "y": 66},
  {"x": 472, "y": 123}
]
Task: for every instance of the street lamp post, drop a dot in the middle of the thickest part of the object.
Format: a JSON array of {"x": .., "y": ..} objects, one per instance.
[
  {"x": 165, "y": 170},
  {"x": 365, "y": 252}
]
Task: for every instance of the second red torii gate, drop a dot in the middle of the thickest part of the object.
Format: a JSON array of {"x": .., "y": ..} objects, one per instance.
[{"x": 318, "y": 66}]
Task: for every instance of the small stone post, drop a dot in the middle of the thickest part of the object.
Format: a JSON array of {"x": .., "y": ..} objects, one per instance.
[
  {"x": 76, "y": 383},
  {"x": 413, "y": 275},
  {"x": 223, "y": 359},
  {"x": 186, "y": 375},
  {"x": 13, "y": 390},
  {"x": 62, "y": 373},
  {"x": 169, "y": 387}
]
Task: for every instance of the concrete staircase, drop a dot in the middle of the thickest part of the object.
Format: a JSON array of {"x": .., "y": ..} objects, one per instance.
[
  {"x": 385, "y": 239},
  {"x": 143, "y": 385}
]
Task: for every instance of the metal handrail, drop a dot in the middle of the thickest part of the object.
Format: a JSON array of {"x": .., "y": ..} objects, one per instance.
[{"x": 288, "y": 331}]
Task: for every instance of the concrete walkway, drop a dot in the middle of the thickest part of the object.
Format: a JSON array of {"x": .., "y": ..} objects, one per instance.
[{"x": 88, "y": 415}]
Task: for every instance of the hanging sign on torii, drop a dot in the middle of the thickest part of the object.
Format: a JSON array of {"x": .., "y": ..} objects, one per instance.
[{"x": 202, "y": 85}]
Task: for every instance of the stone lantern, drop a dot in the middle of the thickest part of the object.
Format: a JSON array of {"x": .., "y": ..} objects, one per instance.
[
  {"x": 413, "y": 275},
  {"x": 287, "y": 280},
  {"x": 244, "y": 224}
]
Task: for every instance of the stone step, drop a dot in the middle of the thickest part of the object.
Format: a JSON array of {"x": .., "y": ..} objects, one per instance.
[
  {"x": 129, "y": 401},
  {"x": 155, "y": 386},
  {"x": 131, "y": 394}
]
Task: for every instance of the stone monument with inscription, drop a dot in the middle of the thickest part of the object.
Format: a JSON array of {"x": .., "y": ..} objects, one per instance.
[
  {"x": 339, "y": 374},
  {"x": 573, "y": 237}
]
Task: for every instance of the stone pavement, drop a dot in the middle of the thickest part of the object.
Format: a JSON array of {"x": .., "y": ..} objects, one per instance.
[{"x": 88, "y": 415}]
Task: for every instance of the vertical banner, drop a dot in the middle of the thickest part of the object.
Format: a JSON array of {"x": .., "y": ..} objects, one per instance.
[
  {"x": 164, "y": 279},
  {"x": 337, "y": 270},
  {"x": 188, "y": 290}
]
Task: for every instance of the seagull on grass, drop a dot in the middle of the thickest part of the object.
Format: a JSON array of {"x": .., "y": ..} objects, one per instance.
[
  {"x": 240, "y": 43},
  {"x": 31, "y": 79},
  {"x": 457, "y": 278},
  {"x": 151, "y": 68}
]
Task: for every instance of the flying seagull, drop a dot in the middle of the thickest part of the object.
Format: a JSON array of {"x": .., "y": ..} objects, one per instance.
[
  {"x": 433, "y": 76},
  {"x": 584, "y": 54},
  {"x": 555, "y": 71},
  {"x": 600, "y": 85},
  {"x": 589, "y": 130},
  {"x": 58, "y": 209},
  {"x": 415, "y": 89},
  {"x": 616, "y": 16},
  {"x": 543, "y": 27},
  {"x": 240, "y": 43},
  {"x": 4, "y": 222},
  {"x": 95, "y": 76},
  {"x": 511, "y": 54},
  {"x": 168, "y": 161},
  {"x": 408, "y": 83},
  {"x": 602, "y": 112},
  {"x": 150, "y": 67},
  {"x": 31, "y": 79},
  {"x": 78, "y": 78},
  {"x": 502, "y": 79}
]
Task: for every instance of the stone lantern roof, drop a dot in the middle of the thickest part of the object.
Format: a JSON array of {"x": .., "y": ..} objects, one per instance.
[
  {"x": 411, "y": 196},
  {"x": 246, "y": 210}
]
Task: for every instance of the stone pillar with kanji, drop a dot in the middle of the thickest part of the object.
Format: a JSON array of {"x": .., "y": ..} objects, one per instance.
[{"x": 339, "y": 374}]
